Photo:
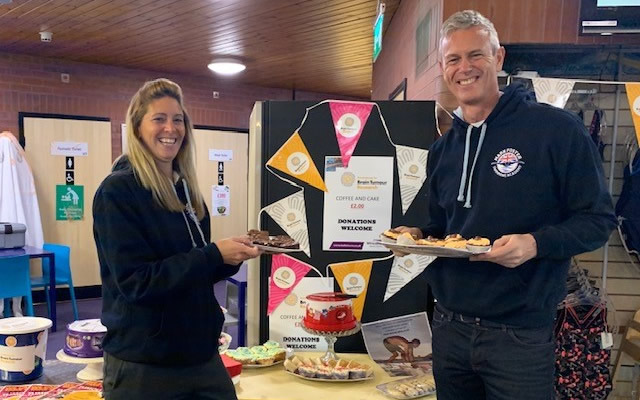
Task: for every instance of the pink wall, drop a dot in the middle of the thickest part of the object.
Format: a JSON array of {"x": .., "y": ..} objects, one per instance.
[{"x": 32, "y": 84}]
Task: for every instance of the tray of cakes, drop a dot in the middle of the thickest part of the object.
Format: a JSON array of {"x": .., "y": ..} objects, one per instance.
[
  {"x": 409, "y": 388},
  {"x": 266, "y": 355},
  {"x": 315, "y": 369},
  {"x": 453, "y": 245},
  {"x": 273, "y": 243}
]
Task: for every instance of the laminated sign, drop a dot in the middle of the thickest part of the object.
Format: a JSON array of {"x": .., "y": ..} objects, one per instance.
[{"x": 69, "y": 202}]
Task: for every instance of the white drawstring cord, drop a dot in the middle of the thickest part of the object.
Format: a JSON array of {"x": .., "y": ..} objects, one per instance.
[
  {"x": 465, "y": 164},
  {"x": 467, "y": 204}
]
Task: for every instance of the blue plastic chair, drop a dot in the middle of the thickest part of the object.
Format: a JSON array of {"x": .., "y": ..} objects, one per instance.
[
  {"x": 63, "y": 274},
  {"x": 15, "y": 281}
]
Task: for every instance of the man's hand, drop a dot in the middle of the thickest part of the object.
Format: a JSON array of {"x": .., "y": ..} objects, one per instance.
[
  {"x": 510, "y": 250},
  {"x": 237, "y": 249},
  {"x": 415, "y": 232}
]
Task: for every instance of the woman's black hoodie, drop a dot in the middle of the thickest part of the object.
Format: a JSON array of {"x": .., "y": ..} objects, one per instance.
[{"x": 157, "y": 288}]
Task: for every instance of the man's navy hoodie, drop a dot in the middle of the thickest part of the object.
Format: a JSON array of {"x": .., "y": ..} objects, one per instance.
[{"x": 536, "y": 171}]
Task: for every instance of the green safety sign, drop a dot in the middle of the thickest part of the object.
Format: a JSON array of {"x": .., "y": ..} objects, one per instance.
[{"x": 69, "y": 202}]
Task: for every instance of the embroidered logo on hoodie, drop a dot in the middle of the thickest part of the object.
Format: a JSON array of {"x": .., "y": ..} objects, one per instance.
[{"x": 507, "y": 162}]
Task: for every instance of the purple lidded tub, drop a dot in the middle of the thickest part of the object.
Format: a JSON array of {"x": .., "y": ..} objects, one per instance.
[{"x": 84, "y": 338}]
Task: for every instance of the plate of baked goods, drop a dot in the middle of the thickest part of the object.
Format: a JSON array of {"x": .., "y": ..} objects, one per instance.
[
  {"x": 273, "y": 243},
  {"x": 339, "y": 371},
  {"x": 409, "y": 388},
  {"x": 453, "y": 245},
  {"x": 266, "y": 355}
]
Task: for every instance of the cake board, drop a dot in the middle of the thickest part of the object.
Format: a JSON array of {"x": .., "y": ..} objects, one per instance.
[{"x": 93, "y": 370}]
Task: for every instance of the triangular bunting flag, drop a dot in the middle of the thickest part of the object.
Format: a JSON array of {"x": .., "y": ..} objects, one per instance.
[
  {"x": 349, "y": 119},
  {"x": 412, "y": 170},
  {"x": 353, "y": 278},
  {"x": 633, "y": 94},
  {"x": 286, "y": 272},
  {"x": 291, "y": 214},
  {"x": 403, "y": 271},
  {"x": 552, "y": 91},
  {"x": 294, "y": 159}
]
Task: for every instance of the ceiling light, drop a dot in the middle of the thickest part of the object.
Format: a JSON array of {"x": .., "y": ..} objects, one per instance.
[{"x": 226, "y": 66}]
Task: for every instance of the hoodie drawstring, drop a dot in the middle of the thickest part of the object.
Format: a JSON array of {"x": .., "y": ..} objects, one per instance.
[
  {"x": 465, "y": 164},
  {"x": 192, "y": 215}
]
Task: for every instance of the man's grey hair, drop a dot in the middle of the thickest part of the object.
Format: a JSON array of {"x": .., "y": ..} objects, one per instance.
[{"x": 468, "y": 19}]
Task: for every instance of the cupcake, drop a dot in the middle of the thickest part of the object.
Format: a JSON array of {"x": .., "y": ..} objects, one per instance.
[{"x": 478, "y": 244}]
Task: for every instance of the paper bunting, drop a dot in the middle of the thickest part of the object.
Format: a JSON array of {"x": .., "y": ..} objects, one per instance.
[
  {"x": 412, "y": 170},
  {"x": 353, "y": 278},
  {"x": 291, "y": 214},
  {"x": 403, "y": 271},
  {"x": 286, "y": 272},
  {"x": 552, "y": 91},
  {"x": 349, "y": 119},
  {"x": 293, "y": 159},
  {"x": 633, "y": 94}
]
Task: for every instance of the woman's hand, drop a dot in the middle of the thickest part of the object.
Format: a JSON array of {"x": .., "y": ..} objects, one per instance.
[{"x": 235, "y": 250}]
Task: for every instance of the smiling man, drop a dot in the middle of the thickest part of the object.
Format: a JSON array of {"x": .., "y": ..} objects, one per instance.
[{"x": 526, "y": 176}]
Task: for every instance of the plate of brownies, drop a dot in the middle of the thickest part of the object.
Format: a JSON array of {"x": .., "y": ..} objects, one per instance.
[{"x": 273, "y": 243}]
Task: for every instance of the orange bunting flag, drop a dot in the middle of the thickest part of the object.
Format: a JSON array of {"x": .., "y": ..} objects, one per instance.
[
  {"x": 633, "y": 94},
  {"x": 293, "y": 159},
  {"x": 353, "y": 278}
]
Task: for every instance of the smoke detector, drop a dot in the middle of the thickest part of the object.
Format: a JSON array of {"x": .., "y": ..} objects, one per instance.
[{"x": 46, "y": 36}]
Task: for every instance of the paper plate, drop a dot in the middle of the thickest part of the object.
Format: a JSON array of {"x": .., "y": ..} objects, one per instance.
[
  {"x": 330, "y": 380},
  {"x": 256, "y": 366},
  {"x": 273, "y": 250},
  {"x": 428, "y": 250}
]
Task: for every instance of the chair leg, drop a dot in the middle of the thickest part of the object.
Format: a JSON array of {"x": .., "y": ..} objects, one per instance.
[
  {"x": 74, "y": 305},
  {"x": 46, "y": 296},
  {"x": 29, "y": 305}
]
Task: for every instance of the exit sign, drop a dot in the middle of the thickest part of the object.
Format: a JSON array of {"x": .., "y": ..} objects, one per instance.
[{"x": 377, "y": 36}]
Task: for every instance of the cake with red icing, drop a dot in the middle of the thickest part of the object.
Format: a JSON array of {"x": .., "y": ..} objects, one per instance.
[{"x": 329, "y": 312}]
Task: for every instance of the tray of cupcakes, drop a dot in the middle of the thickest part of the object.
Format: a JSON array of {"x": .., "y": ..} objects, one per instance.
[
  {"x": 266, "y": 355},
  {"x": 453, "y": 245},
  {"x": 315, "y": 369}
]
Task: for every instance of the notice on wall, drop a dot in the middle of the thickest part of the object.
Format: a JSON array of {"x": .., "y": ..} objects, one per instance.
[
  {"x": 69, "y": 149},
  {"x": 220, "y": 155},
  {"x": 69, "y": 202},
  {"x": 220, "y": 201},
  {"x": 285, "y": 323},
  {"x": 357, "y": 205}
]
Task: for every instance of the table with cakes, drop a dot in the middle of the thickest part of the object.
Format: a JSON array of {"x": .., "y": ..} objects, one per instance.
[
  {"x": 266, "y": 371},
  {"x": 269, "y": 371}
]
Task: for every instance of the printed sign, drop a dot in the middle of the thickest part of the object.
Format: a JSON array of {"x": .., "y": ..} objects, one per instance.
[
  {"x": 357, "y": 206},
  {"x": 220, "y": 155},
  {"x": 400, "y": 345},
  {"x": 69, "y": 149},
  {"x": 285, "y": 322},
  {"x": 220, "y": 201},
  {"x": 69, "y": 202}
]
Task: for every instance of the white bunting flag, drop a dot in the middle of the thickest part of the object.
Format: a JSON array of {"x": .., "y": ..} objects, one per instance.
[
  {"x": 291, "y": 214},
  {"x": 552, "y": 91},
  {"x": 412, "y": 170},
  {"x": 403, "y": 271}
]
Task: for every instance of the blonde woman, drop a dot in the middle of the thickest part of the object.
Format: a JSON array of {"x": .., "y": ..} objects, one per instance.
[{"x": 158, "y": 266}]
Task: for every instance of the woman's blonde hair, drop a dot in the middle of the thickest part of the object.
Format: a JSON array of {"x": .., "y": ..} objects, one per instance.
[{"x": 141, "y": 159}]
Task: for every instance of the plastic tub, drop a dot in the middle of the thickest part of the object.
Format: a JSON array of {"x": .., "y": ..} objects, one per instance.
[{"x": 23, "y": 345}]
